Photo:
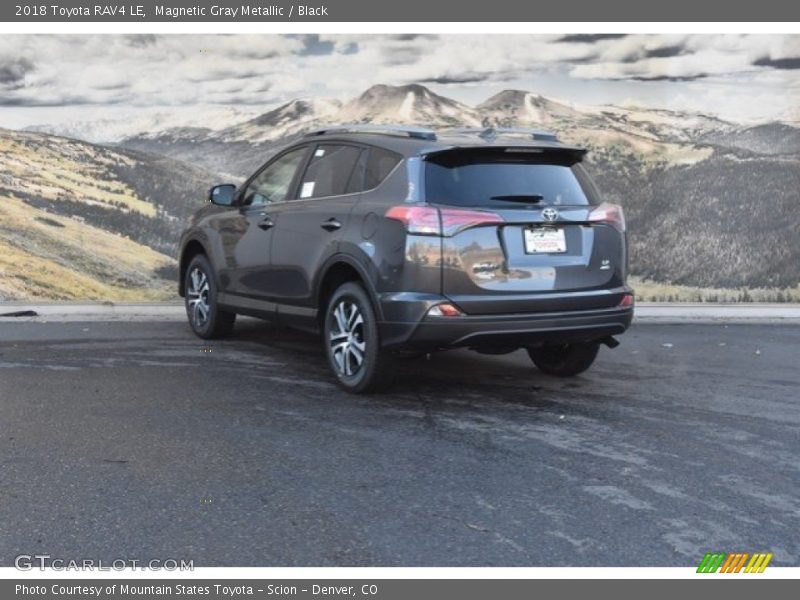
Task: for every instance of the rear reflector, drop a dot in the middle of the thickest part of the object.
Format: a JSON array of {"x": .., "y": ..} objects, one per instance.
[
  {"x": 445, "y": 310},
  {"x": 608, "y": 213},
  {"x": 627, "y": 300},
  {"x": 426, "y": 220}
]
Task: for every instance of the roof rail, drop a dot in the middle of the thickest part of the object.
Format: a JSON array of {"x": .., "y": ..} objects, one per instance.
[
  {"x": 400, "y": 130},
  {"x": 492, "y": 132}
]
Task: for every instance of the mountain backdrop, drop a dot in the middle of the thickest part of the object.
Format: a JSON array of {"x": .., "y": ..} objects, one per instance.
[{"x": 712, "y": 206}]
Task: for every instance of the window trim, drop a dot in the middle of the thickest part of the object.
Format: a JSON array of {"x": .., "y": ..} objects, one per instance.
[
  {"x": 292, "y": 196},
  {"x": 363, "y": 155},
  {"x": 364, "y": 146}
]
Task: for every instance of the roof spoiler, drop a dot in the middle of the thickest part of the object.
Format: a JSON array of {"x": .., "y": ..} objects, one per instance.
[{"x": 554, "y": 150}]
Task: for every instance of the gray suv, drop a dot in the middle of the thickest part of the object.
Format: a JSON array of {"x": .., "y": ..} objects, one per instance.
[{"x": 395, "y": 240}]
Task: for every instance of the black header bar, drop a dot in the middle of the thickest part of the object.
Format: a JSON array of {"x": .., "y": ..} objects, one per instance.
[{"x": 464, "y": 11}]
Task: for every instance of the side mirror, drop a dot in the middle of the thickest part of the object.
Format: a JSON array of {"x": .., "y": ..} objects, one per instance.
[{"x": 222, "y": 195}]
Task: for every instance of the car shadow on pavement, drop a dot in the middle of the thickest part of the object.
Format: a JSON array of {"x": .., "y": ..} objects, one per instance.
[{"x": 510, "y": 378}]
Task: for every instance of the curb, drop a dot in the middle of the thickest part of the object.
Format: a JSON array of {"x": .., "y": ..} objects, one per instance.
[{"x": 171, "y": 311}]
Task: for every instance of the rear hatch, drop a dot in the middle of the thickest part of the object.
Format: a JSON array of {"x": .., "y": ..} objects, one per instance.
[{"x": 539, "y": 238}]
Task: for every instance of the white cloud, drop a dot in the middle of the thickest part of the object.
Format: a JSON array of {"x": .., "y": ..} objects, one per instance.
[{"x": 184, "y": 70}]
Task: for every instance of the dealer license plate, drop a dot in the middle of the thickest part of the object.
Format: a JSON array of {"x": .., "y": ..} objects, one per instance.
[{"x": 540, "y": 240}]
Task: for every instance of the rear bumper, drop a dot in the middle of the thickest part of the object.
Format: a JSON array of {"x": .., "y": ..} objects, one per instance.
[{"x": 503, "y": 331}]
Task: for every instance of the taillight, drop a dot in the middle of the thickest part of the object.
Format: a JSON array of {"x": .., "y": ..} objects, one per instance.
[
  {"x": 608, "y": 213},
  {"x": 417, "y": 219},
  {"x": 426, "y": 220},
  {"x": 454, "y": 220},
  {"x": 627, "y": 300}
]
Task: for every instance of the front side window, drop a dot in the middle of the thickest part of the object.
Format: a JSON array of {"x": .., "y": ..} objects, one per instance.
[
  {"x": 330, "y": 171},
  {"x": 274, "y": 182}
]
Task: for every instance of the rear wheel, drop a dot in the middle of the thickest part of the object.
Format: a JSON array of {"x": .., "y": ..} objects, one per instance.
[
  {"x": 206, "y": 318},
  {"x": 564, "y": 360},
  {"x": 352, "y": 343}
]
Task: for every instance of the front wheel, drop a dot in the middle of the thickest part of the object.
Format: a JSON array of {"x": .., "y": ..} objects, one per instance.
[
  {"x": 352, "y": 342},
  {"x": 206, "y": 318},
  {"x": 564, "y": 360}
]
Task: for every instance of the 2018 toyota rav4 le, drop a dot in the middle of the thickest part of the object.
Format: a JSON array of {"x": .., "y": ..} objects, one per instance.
[{"x": 392, "y": 240}]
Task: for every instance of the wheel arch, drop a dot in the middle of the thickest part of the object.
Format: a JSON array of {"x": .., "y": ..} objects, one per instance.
[
  {"x": 340, "y": 269},
  {"x": 192, "y": 248}
]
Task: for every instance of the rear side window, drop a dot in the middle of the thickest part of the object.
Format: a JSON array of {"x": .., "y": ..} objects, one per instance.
[
  {"x": 379, "y": 164},
  {"x": 497, "y": 178},
  {"x": 330, "y": 171}
]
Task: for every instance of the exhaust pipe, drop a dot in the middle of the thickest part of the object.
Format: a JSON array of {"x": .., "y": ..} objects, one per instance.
[{"x": 610, "y": 341}]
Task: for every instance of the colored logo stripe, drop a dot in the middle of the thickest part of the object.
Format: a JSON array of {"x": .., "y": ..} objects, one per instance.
[
  {"x": 733, "y": 562},
  {"x": 758, "y": 563},
  {"x": 710, "y": 563}
]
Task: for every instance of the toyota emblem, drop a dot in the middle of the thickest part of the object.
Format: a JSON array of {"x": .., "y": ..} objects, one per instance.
[{"x": 550, "y": 214}]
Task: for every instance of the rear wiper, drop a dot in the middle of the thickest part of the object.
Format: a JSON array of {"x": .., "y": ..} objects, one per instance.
[{"x": 527, "y": 198}]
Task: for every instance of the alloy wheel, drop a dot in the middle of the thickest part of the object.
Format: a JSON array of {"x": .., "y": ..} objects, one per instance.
[
  {"x": 346, "y": 337},
  {"x": 197, "y": 297}
]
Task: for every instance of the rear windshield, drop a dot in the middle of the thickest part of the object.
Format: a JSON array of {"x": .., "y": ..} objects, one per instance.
[{"x": 468, "y": 178}]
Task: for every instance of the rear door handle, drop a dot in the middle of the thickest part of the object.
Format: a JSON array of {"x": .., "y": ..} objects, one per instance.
[
  {"x": 331, "y": 224},
  {"x": 266, "y": 222}
]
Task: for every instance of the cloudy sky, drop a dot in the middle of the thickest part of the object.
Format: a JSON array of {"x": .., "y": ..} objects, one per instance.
[{"x": 48, "y": 79}]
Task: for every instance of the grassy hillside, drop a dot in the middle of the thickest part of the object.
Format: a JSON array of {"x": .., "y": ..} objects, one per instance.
[
  {"x": 57, "y": 258},
  {"x": 728, "y": 221},
  {"x": 79, "y": 221},
  {"x": 653, "y": 291}
]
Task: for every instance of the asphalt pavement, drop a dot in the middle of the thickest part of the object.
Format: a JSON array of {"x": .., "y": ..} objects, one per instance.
[{"x": 136, "y": 440}]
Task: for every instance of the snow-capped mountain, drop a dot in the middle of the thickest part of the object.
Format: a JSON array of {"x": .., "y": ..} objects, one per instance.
[
  {"x": 666, "y": 125},
  {"x": 517, "y": 108},
  {"x": 284, "y": 121},
  {"x": 238, "y": 149},
  {"x": 642, "y": 128},
  {"x": 656, "y": 135},
  {"x": 408, "y": 104}
]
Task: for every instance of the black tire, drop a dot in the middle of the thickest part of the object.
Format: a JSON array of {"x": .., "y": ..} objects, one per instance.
[
  {"x": 348, "y": 335},
  {"x": 564, "y": 360},
  {"x": 213, "y": 322}
]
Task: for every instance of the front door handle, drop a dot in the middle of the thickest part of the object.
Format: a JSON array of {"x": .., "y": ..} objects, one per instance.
[
  {"x": 266, "y": 222},
  {"x": 331, "y": 224}
]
